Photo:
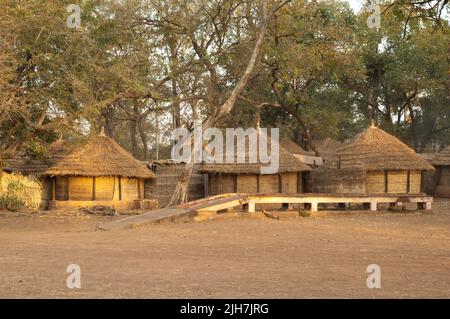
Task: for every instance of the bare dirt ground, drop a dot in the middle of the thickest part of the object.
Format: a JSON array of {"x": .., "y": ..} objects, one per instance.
[{"x": 256, "y": 258}]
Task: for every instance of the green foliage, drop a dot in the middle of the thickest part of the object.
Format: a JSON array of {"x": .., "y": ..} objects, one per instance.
[{"x": 143, "y": 66}]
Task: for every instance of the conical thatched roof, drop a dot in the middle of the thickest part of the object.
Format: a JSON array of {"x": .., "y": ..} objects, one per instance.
[
  {"x": 286, "y": 161},
  {"x": 374, "y": 149},
  {"x": 442, "y": 158},
  {"x": 100, "y": 156}
]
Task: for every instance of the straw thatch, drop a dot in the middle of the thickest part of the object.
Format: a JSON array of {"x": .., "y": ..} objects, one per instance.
[
  {"x": 327, "y": 147},
  {"x": 25, "y": 164},
  {"x": 374, "y": 149},
  {"x": 294, "y": 148},
  {"x": 286, "y": 161},
  {"x": 100, "y": 156},
  {"x": 442, "y": 158}
]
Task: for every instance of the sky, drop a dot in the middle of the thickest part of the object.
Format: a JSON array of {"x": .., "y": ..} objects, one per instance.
[{"x": 355, "y": 4}]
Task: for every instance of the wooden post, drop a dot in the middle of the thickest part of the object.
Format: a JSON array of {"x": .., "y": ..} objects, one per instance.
[
  {"x": 421, "y": 181},
  {"x": 68, "y": 187},
  {"x": 66, "y": 195},
  {"x": 280, "y": 184},
  {"x": 408, "y": 182},
  {"x": 373, "y": 206},
  {"x": 120, "y": 187},
  {"x": 251, "y": 207},
  {"x": 54, "y": 188},
  {"x": 205, "y": 185},
  {"x": 386, "y": 182},
  {"x": 314, "y": 206},
  {"x": 93, "y": 188},
  {"x": 139, "y": 188}
]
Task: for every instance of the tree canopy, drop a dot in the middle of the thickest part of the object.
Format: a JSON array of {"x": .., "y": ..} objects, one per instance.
[{"x": 140, "y": 68}]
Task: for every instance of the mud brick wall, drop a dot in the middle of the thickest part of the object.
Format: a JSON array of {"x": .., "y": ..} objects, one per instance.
[{"x": 163, "y": 186}]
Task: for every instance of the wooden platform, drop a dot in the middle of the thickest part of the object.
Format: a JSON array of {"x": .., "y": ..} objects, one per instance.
[
  {"x": 211, "y": 205},
  {"x": 313, "y": 200}
]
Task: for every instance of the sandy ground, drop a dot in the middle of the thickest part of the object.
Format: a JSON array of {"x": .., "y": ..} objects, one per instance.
[{"x": 256, "y": 258}]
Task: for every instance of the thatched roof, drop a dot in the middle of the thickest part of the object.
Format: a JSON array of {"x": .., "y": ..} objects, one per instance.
[
  {"x": 374, "y": 149},
  {"x": 32, "y": 165},
  {"x": 294, "y": 148},
  {"x": 442, "y": 158},
  {"x": 100, "y": 156},
  {"x": 327, "y": 146},
  {"x": 286, "y": 161}
]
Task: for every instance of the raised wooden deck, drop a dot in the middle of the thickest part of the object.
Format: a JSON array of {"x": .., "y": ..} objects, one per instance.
[
  {"x": 226, "y": 201},
  {"x": 313, "y": 200}
]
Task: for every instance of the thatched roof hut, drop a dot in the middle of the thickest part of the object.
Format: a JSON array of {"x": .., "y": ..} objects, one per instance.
[
  {"x": 374, "y": 149},
  {"x": 233, "y": 177},
  {"x": 98, "y": 172},
  {"x": 286, "y": 161},
  {"x": 390, "y": 165},
  {"x": 442, "y": 158},
  {"x": 441, "y": 180},
  {"x": 100, "y": 156}
]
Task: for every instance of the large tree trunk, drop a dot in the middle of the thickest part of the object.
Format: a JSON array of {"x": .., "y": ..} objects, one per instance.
[
  {"x": 133, "y": 139},
  {"x": 174, "y": 64},
  {"x": 181, "y": 190},
  {"x": 143, "y": 136}
]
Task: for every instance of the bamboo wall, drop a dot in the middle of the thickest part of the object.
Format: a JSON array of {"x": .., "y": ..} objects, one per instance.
[
  {"x": 36, "y": 191},
  {"x": 130, "y": 188},
  {"x": 222, "y": 183},
  {"x": 80, "y": 188},
  {"x": 252, "y": 183},
  {"x": 103, "y": 188},
  {"x": 61, "y": 187},
  {"x": 397, "y": 182},
  {"x": 162, "y": 188},
  {"x": 415, "y": 181},
  {"x": 269, "y": 184},
  {"x": 375, "y": 182},
  {"x": 289, "y": 183},
  {"x": 247, "y": 183}
]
